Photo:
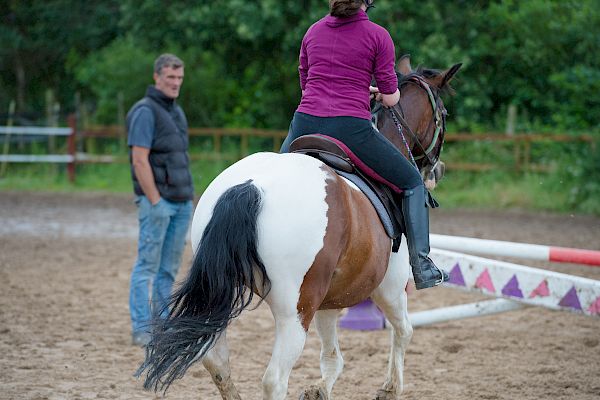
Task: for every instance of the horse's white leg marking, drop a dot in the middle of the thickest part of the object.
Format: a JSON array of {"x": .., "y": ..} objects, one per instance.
[
  {"x": 289, "y": 343},
  {"x": 391, "y": 297},
  {"x": 216, "y": 361},
  {"x": 332, "y": 362}
]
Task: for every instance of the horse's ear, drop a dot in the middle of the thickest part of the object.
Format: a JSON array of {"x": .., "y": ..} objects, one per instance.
[
  {"x": 443, "y": 79},
  {"x": 403, "y": 65}
]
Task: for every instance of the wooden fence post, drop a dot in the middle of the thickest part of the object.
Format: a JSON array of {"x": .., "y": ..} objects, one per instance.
[
  {"x": 72, "y": 146},
  {"x": 9, "y": 123},
  {"x": 217, "y": 142},
  {"x": 276, "y": 144},
  {"x": 121, "y": 122},
  {"x": 511, "y": 116},
  {"x": 50, "y": 120},
  {"x": 243, "y": 144},
  {"x": 526, "y": 153}
]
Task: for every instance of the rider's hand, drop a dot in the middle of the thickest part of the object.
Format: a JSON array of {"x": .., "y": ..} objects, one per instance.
[{"x": 374, "y": 93}]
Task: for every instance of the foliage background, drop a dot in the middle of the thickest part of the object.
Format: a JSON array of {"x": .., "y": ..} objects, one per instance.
[{"x": 542, "y": 56}]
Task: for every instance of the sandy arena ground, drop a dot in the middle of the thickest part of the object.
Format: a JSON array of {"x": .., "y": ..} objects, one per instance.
[{"x": 65, "y": 262}]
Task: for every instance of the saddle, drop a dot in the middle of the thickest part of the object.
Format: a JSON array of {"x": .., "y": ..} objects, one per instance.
[{"x": 384, "y": 196}]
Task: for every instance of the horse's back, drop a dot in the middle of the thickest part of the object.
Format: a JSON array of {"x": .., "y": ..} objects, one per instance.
[
  {"x": 293, "y": 216},
  {"x": 287, "y": 182}
]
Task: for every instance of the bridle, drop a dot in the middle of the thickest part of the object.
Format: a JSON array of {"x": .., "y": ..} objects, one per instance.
[{"x": 439, "y": 119}]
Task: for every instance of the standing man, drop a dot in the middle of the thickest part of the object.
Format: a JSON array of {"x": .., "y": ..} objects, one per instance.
[{"x": 158, "y": 142}]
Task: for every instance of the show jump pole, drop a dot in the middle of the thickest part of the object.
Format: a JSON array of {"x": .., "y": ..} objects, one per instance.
[
  {"x": 511, "y": 249},
  {"x": 532, "y": 286}
]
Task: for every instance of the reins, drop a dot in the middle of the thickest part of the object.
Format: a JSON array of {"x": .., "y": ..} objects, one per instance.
[{"x": 401, "y": 124}]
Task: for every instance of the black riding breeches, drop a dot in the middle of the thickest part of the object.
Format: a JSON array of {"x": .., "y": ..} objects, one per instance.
[{"x": 364, "y": 140}]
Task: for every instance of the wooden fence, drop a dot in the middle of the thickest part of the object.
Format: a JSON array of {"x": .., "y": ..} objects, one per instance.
[
  {"x": 521, "y": 148},
  {"x": 521, "y": 143},
  {"x": 82, "y": 146}
]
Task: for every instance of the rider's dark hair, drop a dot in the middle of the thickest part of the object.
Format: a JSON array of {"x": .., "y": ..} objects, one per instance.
[{"x": 344, "y": 8}]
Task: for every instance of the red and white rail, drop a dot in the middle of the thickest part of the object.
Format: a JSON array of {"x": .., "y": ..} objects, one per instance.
[{"x": 519, "y": 250}]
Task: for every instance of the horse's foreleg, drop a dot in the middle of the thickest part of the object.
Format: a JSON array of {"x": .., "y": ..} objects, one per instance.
[
  {"x": 216, "y": 361},
  {"x": 391, "y": 297},
  {"x": 290, "y": 337}
]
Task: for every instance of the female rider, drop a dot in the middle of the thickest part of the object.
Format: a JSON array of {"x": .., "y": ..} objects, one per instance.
[{"x": 339, "y": 55}]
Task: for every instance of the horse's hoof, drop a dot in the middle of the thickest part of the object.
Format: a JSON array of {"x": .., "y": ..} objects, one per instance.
[
  {"x": 313, "y": 393},
  {"x": 385, "y": 395}
]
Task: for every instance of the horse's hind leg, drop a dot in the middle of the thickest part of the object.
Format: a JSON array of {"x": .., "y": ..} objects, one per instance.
[
  {"x": 390, "y": 296},
  {"x": 332, "y": 362},
  {"x": 290, "y": 337},
  {"x": 216, "y": 361}
]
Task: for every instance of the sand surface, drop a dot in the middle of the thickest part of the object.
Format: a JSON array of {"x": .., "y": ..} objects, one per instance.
[{"x": 65, "y": 262}]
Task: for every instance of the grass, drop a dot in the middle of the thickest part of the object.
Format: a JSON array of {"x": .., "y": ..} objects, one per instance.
[
  {"x": 503, "y": 190},
  {"x": 111, "y": 178},
  {"x": 486, "y": 190}
]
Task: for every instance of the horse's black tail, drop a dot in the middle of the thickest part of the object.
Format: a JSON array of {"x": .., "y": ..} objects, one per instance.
[{"x": 218, "y": 287}]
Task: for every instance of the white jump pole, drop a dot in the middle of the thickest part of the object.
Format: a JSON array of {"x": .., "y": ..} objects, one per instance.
[
  {"x": 488, "y": 307},
  {"x": 511, "y": 249},
  {"x": 523, "y": 284}
]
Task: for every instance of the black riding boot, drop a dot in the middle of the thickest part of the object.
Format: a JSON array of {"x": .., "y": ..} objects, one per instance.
[{"x": 416, "y": 221}]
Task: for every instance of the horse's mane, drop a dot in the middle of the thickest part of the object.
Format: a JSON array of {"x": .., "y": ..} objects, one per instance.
[{"x": 427, "y": 73}]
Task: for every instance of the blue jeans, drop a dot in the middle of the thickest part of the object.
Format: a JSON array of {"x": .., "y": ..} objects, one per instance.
[{"x": 162, "y": 238}]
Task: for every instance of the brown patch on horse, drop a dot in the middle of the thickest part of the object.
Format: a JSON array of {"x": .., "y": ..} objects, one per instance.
[{"x": 354, "y": 257}]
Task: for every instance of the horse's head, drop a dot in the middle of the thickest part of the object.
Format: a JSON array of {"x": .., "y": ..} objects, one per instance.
[{"x": 418, "y": 121}]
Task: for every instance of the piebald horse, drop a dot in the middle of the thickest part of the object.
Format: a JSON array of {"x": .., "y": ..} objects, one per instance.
[{"x": 287, "y": 228}]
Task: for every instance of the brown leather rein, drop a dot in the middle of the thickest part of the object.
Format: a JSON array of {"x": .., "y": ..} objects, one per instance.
[{"x": 439, "y": 116}]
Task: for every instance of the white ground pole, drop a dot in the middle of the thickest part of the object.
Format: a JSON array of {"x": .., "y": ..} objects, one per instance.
[
  {"x": 488, "y": 307},
  {"x": 511, "y": 249}
]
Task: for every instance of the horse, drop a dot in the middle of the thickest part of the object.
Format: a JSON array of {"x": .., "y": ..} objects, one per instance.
[{"x": 288, "y": 229}]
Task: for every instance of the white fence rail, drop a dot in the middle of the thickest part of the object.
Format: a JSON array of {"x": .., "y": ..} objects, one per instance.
[
  {"x": 70, "y": 158},
  {"x": 35, "y": 130},
  {"x": 33, "y": 158}
]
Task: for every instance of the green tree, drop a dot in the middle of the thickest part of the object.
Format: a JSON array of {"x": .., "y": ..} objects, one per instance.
[{"x": 37, "y": 37}]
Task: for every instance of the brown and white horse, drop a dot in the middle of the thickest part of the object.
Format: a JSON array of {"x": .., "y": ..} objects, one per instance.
[{"x": 307, "y": 242}]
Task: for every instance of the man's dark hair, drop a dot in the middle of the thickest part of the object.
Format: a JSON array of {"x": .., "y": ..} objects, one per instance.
[
  {"x": 167, "y": 60},
  {"x": 344, "y": 8}
]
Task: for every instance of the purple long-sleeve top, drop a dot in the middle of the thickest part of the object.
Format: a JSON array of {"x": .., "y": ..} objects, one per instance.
[{"x": 338, "y": 58}]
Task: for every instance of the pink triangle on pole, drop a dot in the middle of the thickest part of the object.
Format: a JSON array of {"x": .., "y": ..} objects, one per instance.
[
  {"x": 595, "y": 307},
  {"x": 571, "y": 300},
  {"x": 541, "y": 291},
  {"x": 484, "y": 281}
]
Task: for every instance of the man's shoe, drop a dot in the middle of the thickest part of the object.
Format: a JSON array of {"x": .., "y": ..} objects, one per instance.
[{"x": 140, "y": 339}]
